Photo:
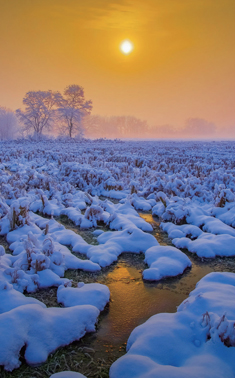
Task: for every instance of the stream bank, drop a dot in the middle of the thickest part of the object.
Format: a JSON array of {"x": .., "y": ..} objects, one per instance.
[{"x": 133, "y": 301}]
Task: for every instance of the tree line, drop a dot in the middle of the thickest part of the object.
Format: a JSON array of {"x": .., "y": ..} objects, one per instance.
[
  {"x": 67, "y": 114},
  {"x": 45, "y": 108}
]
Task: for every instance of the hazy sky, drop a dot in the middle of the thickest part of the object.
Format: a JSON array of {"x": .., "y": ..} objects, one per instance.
[{"x": 182, "y": 65}]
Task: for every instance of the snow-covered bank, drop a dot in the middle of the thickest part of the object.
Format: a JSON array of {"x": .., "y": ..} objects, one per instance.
[
  {"x": 165, "y": 262},
  {"x": 198, "y": 340},
  {"x": 187, "y": 185},
  {"x": 41, "y": 331}
]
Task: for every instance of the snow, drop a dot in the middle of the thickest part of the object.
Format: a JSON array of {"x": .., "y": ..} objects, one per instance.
[
  {"x": 31, "y": 326},
  {"x": 130, "y": 240},
  {"x": 175, "y": 231},
  {"x": 112, "y": 244},
  {"x": 227, "y": 215},
  {"x": 213, "y": 292},
  {"x": 20, "y": 232},
  {"x": 189, "y": 343},
  {"x": 94, "y": 294},
  {"x": 120, "y": 222},
  {"x": 140, "y": 203},
  {"x": 208, "y": 245},
  {"x": 47, "y": 278},
  {"x": 164, "y": 261},
  {"x": 11, "y": 298},
  {"x": 97, "y": 232},
  {"x": 40, "y": 261},
  {"x": 67, "y": 374},
  {"x": 216, "y": 226},
  {"x": 213, "y": 238},
  {"x": 190, "y": 186}
]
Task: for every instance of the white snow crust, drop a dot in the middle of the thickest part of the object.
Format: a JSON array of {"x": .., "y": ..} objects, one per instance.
[
  {"x": 67, "y": 374},
  {"x": 94, "y": 294},
  {"x": 41, "y": 331},
  {"x": 194, "y": 342},
  {"x": 165, "y": 261},
  {"x": 101, "y": 186}
]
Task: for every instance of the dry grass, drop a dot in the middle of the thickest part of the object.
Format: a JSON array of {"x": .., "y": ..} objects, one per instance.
[{"x": 75, "y": 357}]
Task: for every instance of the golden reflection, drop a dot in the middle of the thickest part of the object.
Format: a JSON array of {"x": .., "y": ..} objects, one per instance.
[
  {"x": 119, "y": 273},
  {"x": 147, "y": 217}
]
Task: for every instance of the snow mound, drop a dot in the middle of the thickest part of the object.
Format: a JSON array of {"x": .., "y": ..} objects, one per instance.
[
  {"x": 113, "y": 243},
  {"x": 140, "y": 203},
  {"x": 213, "y": 293},
  {"x": 208, "y": 245},
  {"x": 190, "y": 343},
  {"x": 94, "y": 294},
  {"x": 11, "y": 298},
  {"x": 164, "y": 261},
  {"x": 41, "y": 331},
  {"x": 67, "y": 374},
  {"x": 175, "y": 231}
]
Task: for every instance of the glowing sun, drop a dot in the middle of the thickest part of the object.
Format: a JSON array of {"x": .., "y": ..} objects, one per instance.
[{"x": 126, "y": 47}]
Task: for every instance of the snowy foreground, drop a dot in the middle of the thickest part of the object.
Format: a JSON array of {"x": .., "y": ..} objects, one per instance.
[
  {"x": 197, "y": 341},
  {"x": 190, "y": 186}
]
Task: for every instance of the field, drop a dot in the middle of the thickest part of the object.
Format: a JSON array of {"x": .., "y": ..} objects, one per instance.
[{"x": 96, "y": 237}]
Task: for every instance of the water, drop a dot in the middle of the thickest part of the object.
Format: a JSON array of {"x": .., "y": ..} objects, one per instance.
[{"x": 133, "y": 301}]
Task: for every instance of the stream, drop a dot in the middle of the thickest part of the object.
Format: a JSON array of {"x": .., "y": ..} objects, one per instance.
[{"x": 133, "y": 301}]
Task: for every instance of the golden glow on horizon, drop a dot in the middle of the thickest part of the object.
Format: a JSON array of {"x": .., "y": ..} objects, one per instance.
[
  {"x": 126, "y": 47},
  {"x": 182, "y": 64}
]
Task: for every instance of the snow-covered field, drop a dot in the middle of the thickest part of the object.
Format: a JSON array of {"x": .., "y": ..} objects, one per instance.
[{"x": 100, "y": 186}]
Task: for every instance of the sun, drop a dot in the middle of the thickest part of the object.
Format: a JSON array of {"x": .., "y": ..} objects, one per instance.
[{"x": 126, "y": 47}]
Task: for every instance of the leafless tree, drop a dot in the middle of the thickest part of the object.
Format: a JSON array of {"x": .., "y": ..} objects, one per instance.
[
  {"x": 39, "y": 113},
  {"x": 73, "y": 107}
]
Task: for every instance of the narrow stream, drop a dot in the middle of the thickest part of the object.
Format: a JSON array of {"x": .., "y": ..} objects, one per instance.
[{"x": 133, "y": 301}]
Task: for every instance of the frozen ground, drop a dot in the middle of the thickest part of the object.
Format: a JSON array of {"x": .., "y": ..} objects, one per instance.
[{"x": 190, "y": 186}]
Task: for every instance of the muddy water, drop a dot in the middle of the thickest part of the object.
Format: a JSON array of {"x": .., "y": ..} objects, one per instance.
[{"x": 133, "y": 301}]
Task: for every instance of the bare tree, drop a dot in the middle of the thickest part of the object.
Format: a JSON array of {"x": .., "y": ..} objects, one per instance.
[
  {"x": 39, "y": 112},
  {"x": 8, "y": 124},
  {"x": 72, "y": 109}
]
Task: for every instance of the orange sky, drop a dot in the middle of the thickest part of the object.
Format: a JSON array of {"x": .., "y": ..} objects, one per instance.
[{"x": 183, "y": 63}]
